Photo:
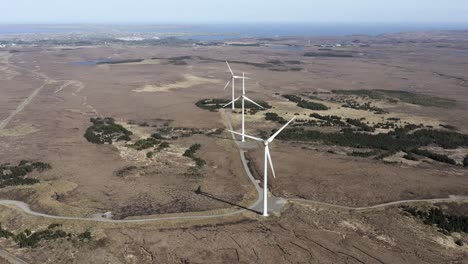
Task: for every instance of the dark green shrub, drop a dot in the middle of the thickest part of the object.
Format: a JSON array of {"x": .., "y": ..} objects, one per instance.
[
  {"x": 16, "y": 175},
  {"x": 190, "y": 152},
  {"x": 304, "y": 103},
  {"x": 144, "y": 143},
  {"x": 84, "y": 236},
  {"x": 163, "y": 145},
  {"x": 447, "y": 223},
  {"x": 104, "y": 130},
  {"x": 434, "y": 156},
  {"x": 275, "y": 117}
]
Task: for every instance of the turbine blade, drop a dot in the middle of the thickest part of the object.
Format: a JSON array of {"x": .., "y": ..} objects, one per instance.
[
  {"x": 233, "y": 101},
  {"x": 247, "y": 136},
  {"x": 248, "y": 99},
  {"x": 243, "y": 85},
  {"x": 279, "y": 130},
  {"x": 232, "y": 73},
  {"x": 270, "y": 161},
  {"x": 227, "y": 84}
]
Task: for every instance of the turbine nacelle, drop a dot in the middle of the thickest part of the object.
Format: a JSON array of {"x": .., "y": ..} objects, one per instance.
[{"x": 265, "y": 143}]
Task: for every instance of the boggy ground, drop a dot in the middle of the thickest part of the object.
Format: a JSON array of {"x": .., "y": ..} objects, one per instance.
[
  {"x": 83, "y": 179},
  {"x": 302, "y": 234}
]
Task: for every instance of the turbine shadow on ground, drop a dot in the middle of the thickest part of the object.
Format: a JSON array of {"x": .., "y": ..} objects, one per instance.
[{"x": 199, "y": 192}]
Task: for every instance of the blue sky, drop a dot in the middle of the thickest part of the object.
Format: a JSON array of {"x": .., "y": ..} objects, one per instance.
[{"x": 225, "y": 11}]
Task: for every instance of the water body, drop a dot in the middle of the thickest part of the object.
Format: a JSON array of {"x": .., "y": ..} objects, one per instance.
[
  {"x": 90, "y": 62},
  {"x": 234, "y": 31}
]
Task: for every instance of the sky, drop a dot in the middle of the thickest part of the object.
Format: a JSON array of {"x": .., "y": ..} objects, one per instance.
[{"x": 233, "y": 11}]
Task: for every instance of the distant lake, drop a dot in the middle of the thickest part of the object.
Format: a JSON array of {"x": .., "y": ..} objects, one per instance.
[
  {"x": 90, "y": 62},
  {"x": 234, "y": 31}
]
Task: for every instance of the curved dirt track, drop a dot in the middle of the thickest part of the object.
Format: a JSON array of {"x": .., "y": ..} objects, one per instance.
[
  {"x": 451, "y": 198},
  {"x": 25, "y": 207},
  {"x": 225, "y": 115}
]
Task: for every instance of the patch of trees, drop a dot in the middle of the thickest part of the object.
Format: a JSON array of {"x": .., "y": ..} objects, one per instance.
[
  {"x": 447, "y": 223},
  {"x": 146, "y": 143},
  {"x": 214, "y": 104},
  {"x": 361, "y": 126},
  {"x": 465, "y": 161},
  {"x": 328, "y": 54},
  {"x": 404, "y": 96},
  {"x": 18, "y": 175},
  {"x": 330, "y": 120},
  {"x": 386, "y": 125},
  {"x": 173, "y": 133},
  {"x": 398, "y": 140},
  {"x": 105, "y": 130},
  {"x": 305, "y": 103},
  {"x": 275, "y": 117},
  {"x": 190, "y": 152},
  {"x": 163, "y": 145},
  {"x": 364, "y": 154},
  {"x": 29, "y": 239},
  {"x": 434, "y": 156},
  {"x": 366, "y": 107}
]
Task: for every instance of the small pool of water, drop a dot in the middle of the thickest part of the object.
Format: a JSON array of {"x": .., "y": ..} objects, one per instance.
[{"x": 90, "y": 62}]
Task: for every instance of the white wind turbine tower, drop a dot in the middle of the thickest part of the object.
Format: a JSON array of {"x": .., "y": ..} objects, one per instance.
[
  {"x": 233, "y": 77},
  {"x": 267, "y": 160},
  {"x": 243, "y": 97}
]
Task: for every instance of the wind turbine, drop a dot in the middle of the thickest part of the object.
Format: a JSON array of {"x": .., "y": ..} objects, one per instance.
[
  {"x": 243, "y": 97},
  {"x": 233, "y": 77},
  {"x": 267, "y": 160}
]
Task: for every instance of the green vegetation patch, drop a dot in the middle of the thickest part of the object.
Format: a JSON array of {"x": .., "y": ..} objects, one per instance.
[
  {"x": 434, "y": 156},
  {"x": 360, "y": 125},
  {"x": 18, "y": 175},
  {"x": 404, "y": 96},
  {"x": 144, "y": 143},
  {"x": 215, "y": 104},
  {"x": 305, "y": 103},
  {"x": 105, "y": 130},
  {"x": 330, "y": 120},
  {"x": 366, "y": 107},
  {"x": 398, "y": 140},
  {"x": 465, "y": 161},
  {"x": 447, "y": 223},
  {"x": 364, "y": 154},
  {"x": 275, "y": 117},
  {"x": 190, "y": 152},
  {"x": 29, "y": 239}
]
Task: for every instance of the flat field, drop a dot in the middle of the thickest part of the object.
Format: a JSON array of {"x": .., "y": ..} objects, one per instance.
[{"x": 48, "y": 101}]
